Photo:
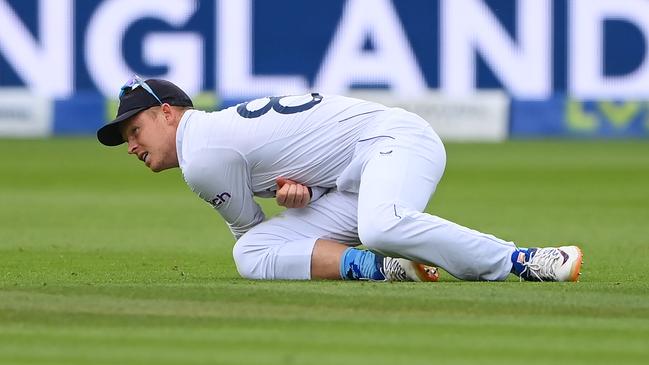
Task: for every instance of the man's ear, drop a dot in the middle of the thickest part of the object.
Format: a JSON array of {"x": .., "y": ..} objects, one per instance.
[{"x": 168, "y": 113}]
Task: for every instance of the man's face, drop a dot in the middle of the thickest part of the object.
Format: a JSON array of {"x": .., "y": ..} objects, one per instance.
[{"x": 151, "y": 136}]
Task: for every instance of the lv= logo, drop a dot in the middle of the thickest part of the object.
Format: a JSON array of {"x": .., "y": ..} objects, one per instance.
[{"x": 591, "y": 116}]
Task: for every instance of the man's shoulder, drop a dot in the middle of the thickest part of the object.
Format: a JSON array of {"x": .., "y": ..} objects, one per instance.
[
  {"x": 209, "y": 158},
  {"x": 194, "y": 136}
]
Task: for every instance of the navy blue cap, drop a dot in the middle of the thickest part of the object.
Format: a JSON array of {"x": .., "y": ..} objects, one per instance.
[{"x": 137, "y": 99}]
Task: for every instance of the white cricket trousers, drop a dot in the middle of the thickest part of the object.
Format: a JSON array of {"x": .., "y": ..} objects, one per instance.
[{"x": 393, "y": 175}]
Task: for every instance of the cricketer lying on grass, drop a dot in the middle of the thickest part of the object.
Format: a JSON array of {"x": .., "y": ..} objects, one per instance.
[{"x": 370, "y": 171}]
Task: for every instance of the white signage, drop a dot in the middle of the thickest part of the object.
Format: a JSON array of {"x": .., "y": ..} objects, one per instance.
[
  {"x": 482, "y": 117},
  {"x": 23, "y": 114}
]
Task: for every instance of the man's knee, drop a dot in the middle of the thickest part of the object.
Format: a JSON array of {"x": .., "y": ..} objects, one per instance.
[
  {"x": 248, "y": 259},
  {"x": 377, "y": 229}
]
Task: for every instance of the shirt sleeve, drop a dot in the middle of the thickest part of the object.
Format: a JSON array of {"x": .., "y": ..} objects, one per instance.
[{"x": 221, "y": 177}]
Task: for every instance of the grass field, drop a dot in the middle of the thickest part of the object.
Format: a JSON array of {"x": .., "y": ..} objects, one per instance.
[{"x": 103, "y": 262}]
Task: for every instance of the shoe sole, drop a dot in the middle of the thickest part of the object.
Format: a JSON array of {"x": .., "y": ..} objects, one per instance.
[
  {"x": 425, "y": 272},
  {"x": 575, "y": 271}
]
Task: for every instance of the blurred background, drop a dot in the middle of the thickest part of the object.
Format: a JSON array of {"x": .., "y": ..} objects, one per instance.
[{"x": 478, "y": 70}]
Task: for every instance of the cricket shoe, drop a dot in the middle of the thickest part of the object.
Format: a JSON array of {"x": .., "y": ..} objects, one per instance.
[
  {"x": 553, "y": 264},
  {"x": 398, "y": 269}
]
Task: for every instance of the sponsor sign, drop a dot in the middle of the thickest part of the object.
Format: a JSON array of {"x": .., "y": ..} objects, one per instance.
[
  {"x": 23, "y": 114},
  {"x": 482, "y": 117},
  {"x": 240, "y": 49},
  {"x": 566, "y": 117}
]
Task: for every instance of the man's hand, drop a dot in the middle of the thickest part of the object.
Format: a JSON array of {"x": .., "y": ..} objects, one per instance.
[{"x": 291, "y": 194}]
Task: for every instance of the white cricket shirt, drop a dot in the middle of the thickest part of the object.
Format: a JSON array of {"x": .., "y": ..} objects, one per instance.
[{"x": 228, "y": 156}]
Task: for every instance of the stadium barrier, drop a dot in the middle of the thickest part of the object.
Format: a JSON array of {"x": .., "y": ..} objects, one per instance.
[
  {"x": 482, "y": 117},
  {"x": 23, "y": 114},
  {"x": 562, "y": 116},
  {"x": 488, "y": 116},
  {"x": 80, "y": 115}
]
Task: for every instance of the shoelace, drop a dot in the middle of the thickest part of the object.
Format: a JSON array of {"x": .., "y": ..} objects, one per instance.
[
  {"x": 542, "y": 264},
  {"x": 393, "y": 271}
]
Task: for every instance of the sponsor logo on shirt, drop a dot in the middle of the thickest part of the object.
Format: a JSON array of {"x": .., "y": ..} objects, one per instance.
[{"x": 219, "y": 199}]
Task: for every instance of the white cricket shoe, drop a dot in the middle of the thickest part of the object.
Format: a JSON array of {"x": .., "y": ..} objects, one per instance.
[
  {"x": 398, "y": 269},
  {"x": 553, "y": 264}
]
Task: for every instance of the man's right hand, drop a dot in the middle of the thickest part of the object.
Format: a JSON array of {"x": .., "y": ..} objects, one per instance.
[{"x": 291, "y": 194}]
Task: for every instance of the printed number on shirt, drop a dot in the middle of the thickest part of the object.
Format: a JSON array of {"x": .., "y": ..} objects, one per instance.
[{"x": 262, "y": 106}]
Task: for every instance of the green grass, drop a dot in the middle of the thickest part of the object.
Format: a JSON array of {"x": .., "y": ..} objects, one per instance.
[{"x": 103, "y": 262}]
